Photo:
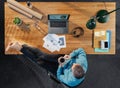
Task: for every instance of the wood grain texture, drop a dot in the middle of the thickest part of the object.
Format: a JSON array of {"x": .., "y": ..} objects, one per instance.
[{"x": 80, "y": 13}]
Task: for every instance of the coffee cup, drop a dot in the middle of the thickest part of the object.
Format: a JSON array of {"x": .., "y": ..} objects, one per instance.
[{"x": 62, "y": 60}]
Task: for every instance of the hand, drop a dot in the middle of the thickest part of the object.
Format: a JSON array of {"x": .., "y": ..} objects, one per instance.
[
  {"x": 59, "y": 60},
  {"x": 14, "y": 45},
  {"x": 67, "y": 57}
]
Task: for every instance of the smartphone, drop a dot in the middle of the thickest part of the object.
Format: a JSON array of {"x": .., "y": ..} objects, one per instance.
[{"x": 104, "y": 44}]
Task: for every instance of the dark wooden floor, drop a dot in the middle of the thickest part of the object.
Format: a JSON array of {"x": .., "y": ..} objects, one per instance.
[{"x": 103, "y": 71}]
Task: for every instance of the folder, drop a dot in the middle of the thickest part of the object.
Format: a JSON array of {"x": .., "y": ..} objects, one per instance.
[{"x": 108, "y": 36}]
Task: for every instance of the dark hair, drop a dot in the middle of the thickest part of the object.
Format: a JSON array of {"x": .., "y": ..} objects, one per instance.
[{"x": 78, "y": 72}]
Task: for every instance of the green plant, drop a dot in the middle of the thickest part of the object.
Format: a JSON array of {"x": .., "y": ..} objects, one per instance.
[{"x": 17, "y": 20}]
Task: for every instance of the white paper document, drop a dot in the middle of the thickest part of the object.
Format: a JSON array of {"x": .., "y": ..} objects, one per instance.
[
  {"x": 53, "y": 42},
  {"x": 62, "y": 41}
]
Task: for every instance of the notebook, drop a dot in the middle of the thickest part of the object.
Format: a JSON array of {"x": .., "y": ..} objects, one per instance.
[{"x": 108, "y": 35}]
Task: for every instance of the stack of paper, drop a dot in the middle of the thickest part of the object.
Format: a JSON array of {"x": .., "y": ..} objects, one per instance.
[{"x": 53, "y": 42}]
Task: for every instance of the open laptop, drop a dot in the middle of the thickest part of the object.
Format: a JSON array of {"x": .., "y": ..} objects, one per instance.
[{"x": 58, "y": 23}]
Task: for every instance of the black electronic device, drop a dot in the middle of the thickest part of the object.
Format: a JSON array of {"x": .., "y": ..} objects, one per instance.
[{"x": 104, "y": 44}]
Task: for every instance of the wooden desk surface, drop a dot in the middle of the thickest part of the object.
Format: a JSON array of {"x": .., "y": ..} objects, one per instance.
[{"x": 80, "y": 13}]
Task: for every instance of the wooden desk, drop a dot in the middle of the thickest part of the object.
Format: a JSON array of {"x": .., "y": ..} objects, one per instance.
[{"x": 80, "y": 13}]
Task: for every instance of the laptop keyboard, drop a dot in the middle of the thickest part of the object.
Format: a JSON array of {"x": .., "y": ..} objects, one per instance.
[{"x": 58, "y": 23}]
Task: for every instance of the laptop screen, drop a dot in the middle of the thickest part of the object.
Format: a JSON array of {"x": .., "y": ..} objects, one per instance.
[{"x": 58, "y": 16}]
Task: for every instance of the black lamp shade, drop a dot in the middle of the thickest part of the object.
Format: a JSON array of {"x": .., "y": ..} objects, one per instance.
[
  {"x": 91, "y": 24},
  {"x": 102, "y": 16}
]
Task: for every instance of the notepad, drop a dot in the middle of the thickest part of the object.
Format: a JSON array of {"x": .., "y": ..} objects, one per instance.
[
  {"x": 98, "y": 36},
  {"x": 108, "y": 37}
]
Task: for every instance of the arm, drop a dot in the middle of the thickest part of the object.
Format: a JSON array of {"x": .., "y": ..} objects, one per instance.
[
  {"x": 59, "y": 71},
  {"x": 66, "y": 77},
  {"x": 61, "y": 76},
  {"x": 77, "y": 52},
  {"x": 82, "y": 59}
]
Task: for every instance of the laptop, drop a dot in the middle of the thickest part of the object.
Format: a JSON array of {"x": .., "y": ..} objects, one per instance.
[{"x": 58, "y": 23}]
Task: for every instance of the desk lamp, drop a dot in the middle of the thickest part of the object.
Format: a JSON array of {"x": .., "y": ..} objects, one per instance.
[
  {"x": 102, "y": 16},
  {"x": 91, "y": 24}
]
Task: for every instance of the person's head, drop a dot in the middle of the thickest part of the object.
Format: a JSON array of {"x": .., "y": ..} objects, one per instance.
[{"x": 78, "y": 71}]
